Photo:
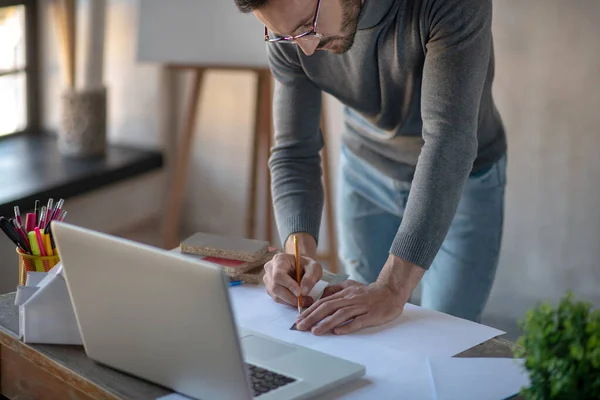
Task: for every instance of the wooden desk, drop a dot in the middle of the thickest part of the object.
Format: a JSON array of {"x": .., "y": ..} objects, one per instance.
[{"x": 49, "y": 372}]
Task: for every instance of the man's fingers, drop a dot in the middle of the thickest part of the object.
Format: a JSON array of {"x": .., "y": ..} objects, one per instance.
[
  {"x": 321, "y": 311},
  {"x": 282, "y": 278},
  {"x": 313, "y": 272},
  {"x": 284, "y": 294},
  {"x": 307, "y": 301},
  {"x": 338, "y": 318},
  {"x": 317, "y": 304},
  {"x": 355, "y": 325}
]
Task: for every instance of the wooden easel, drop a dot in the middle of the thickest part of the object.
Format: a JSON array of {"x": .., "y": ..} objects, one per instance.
[{"x": 261, "y": 144}]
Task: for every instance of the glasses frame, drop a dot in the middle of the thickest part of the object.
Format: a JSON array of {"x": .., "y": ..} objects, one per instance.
[{"x": 293, "y": 39}]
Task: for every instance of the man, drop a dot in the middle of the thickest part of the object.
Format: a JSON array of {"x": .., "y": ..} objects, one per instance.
[{"x": 422, "y": 175}]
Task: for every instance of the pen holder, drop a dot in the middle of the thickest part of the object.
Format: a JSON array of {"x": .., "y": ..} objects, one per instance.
[{"x": 28, "y": 263}]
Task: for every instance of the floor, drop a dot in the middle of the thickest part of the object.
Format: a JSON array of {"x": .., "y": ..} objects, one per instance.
[{"x": 150, "y": 234}]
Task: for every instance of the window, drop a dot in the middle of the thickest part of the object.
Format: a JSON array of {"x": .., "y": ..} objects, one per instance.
[{"x": 18, "y": 66}]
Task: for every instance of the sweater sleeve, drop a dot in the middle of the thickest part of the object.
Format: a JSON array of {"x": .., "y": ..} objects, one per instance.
[
  {"x": 295, "y": 161},
  {"x": 458, "y": 45}
]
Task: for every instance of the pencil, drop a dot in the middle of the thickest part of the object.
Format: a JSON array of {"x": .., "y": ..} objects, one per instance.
[{"x": 298, "y": 278}]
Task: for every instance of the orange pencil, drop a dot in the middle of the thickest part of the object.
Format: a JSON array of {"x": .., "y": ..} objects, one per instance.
[{"x": 298, "y": 278}]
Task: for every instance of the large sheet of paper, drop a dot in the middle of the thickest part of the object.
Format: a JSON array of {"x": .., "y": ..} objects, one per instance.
[
  {"x": 477, "y": 378},
  {"x": 395, "y": 355},
  {"x": 418, "y": 331}
]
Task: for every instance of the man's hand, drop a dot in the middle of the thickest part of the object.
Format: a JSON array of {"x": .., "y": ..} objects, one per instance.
[
  {"x": 353, "y": 306},
  {"x": 280, "y": 273}
]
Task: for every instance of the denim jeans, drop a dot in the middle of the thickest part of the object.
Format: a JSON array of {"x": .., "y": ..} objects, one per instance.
[{"x": 460, "y": 279}]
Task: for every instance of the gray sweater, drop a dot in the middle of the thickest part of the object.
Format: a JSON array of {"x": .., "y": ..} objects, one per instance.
[{"x": 417, "y": 90}]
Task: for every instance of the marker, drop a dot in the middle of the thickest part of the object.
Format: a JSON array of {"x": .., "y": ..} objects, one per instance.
[
  {"x": 62, "y": 216},
  {"x": 40, "y": 241},
  {"x": 36, "y": 250},
  {"x": 30, "y": 222},
  {"x": 47, "y": 246}
]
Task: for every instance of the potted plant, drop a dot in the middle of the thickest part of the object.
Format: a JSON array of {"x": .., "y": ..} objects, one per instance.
[{"x": 561, "y": 349}]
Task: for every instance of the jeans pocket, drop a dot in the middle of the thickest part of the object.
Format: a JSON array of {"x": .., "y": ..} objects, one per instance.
[{"x": 491, "y": 177}]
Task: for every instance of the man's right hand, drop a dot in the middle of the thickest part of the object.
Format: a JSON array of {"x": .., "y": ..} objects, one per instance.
[{"x": 280, "y": 273}]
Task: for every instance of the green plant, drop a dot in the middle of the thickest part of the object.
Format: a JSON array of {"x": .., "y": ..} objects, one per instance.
[{"x": 561, "y": 348}]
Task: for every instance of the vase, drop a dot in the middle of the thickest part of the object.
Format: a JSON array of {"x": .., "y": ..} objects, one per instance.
[{"x": 82, "y": 133}]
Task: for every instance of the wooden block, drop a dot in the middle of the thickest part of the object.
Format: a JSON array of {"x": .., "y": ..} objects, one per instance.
[
  {"x": 233, "y": 248},
  {"x": 254, "y": 276},
  {"x": 235, "y": 268}
]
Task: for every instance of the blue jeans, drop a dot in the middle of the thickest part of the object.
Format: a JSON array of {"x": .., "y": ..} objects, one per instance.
[{"x": 370, "y": 208}]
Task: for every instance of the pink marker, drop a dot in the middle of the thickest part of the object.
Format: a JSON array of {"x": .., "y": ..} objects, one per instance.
[
  {"x": 38, "y": 236},
  {"x": 30, "y": 222}
]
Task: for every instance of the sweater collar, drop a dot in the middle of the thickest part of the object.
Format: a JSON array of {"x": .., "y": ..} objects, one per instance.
[{"x": 372, "y": 12}]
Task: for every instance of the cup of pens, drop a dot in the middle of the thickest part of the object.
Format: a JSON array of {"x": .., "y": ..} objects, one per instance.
[{"x": 36, "y": 248}]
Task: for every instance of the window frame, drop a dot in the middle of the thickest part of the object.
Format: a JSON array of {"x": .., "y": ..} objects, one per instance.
[{"x": 31, "y": 66}]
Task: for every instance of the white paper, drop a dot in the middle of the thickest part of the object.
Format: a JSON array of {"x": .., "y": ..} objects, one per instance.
[
  {"x": 389, "y": 376},
  {"x": 477, "y": 378},
  {"x": 417, "y": 332}
]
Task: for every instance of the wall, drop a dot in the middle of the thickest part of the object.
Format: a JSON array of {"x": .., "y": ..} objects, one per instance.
[{"x": 548, "y": 91}]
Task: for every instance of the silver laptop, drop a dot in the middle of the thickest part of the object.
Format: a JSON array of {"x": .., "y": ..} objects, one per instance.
[{"x": 167, "y": 318}]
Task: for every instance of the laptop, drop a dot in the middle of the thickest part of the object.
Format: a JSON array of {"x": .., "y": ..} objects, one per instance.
[{"x": 167, "y": 318}]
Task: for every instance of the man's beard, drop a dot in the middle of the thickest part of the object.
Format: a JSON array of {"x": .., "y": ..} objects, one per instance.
[{"x": 351, "y": 12}]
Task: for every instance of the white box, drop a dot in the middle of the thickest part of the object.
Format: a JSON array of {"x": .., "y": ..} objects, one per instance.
[{"x": 46, "y": 313}]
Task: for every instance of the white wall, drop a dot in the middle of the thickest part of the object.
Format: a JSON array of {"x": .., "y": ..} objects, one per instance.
[{"x": 548, "y": 91}]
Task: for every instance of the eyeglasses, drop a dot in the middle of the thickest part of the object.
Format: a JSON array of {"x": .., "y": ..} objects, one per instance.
[{"x": 293, "y": 39}]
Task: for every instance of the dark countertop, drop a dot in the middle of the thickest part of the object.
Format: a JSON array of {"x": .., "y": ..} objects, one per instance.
[{"x": 31, "y": 168}]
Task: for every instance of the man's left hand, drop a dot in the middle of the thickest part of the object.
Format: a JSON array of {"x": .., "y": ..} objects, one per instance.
[{"x": 351, "y": 306}]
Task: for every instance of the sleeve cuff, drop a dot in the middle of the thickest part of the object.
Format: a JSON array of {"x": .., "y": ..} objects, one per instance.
[
  {"x": 297, "y": 224},
  {"x": 414, "y": 250}
]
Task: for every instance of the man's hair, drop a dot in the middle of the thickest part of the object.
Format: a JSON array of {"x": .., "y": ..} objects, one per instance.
[{"x": 247, "y": 6}]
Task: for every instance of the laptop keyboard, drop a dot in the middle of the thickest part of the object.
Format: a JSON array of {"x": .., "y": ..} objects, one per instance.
[{"x": 264, "y": 381}]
